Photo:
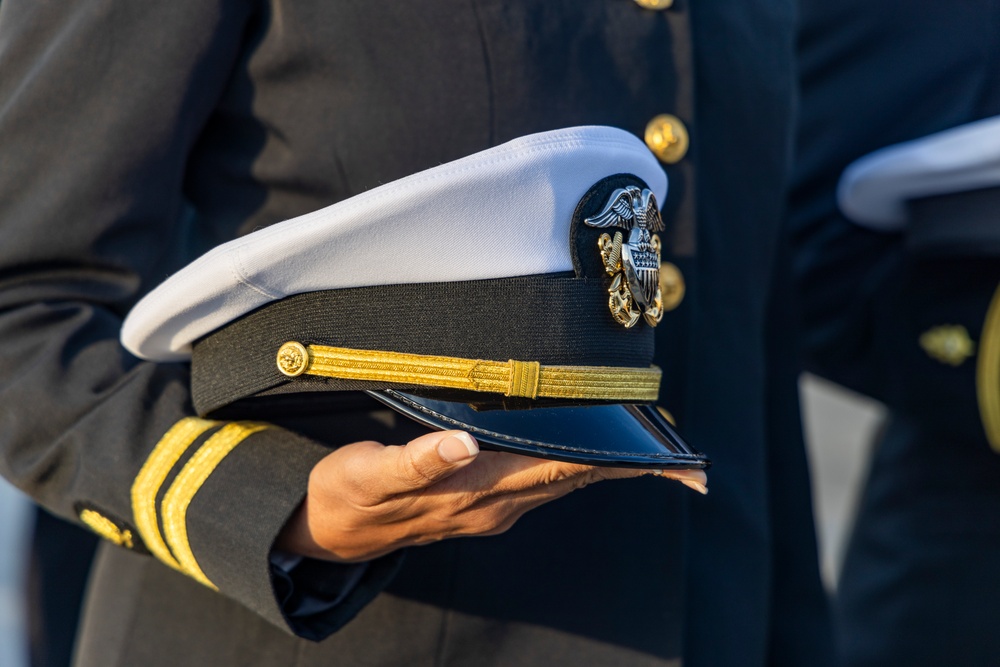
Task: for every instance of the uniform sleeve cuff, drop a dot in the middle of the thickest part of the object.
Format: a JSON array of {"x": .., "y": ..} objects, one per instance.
[
  {"x": 318, "y": 598},
  {"x": 246, "y": 485}
]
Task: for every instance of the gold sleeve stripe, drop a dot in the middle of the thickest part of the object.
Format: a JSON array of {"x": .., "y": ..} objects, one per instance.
[
  {"x": 188, "y": 482},
  {"x": 527, "y": 379},
  {"x": 107, "y": 529},
  {"x": 988, "y": 373},
  {"x": 154, "y": 471}
]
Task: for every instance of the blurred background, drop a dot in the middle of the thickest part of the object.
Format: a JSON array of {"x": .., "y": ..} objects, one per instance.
[
  {"x": 15, "y": 515},
  {"x": 840, "y": 428},
  {"x": 839, "y": 425}
]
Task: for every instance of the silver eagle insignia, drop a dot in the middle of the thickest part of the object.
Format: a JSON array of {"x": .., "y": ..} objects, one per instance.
[{"x": 634, "y": 266}]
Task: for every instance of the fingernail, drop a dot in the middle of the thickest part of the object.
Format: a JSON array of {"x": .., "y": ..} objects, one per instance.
[
  {"x": 697, "y": 486},
  {"x": 457, "y": 448},
  {"x": 683, "y": 477}
]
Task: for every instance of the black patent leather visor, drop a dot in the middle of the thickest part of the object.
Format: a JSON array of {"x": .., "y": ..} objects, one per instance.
[{"x": 613, "y": 435}]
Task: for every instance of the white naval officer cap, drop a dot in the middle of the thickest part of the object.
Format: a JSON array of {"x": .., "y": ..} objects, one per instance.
[
  {"x": 503, "y": 212},
  {"x": 511, "y": 293},
  {"x": 874, "y": 190}
]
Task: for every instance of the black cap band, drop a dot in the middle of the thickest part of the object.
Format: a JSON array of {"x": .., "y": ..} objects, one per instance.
[{"x": 552, "y": 319}]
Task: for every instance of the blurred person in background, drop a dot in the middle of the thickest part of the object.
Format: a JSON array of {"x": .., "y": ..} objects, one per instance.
[{"x": 898, "y": 285}]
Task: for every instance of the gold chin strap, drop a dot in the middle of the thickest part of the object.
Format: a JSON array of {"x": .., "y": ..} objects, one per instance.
[{"x": 525, "y": 379}]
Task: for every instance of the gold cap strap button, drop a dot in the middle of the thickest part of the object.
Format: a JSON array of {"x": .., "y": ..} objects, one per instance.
[
  {"x": 656, "y": 5},
  {"x": 293, "y": 359},
  {"x": 667, "y": 137}
]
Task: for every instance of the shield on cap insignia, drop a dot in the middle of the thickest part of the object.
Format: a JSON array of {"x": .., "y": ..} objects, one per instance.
[
  {"x": 642, "y": 266},
  {"x": 636, "y": 211}
]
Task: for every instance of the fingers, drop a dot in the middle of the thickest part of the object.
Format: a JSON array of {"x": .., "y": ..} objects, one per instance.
[
  {"x": 369, "y": 473},
  {"x": 377, "y": 473},
  {"x": 494, "y": 510},
  {"x": 506, "y": 473},
  {"x": 434, "y": 457},
  {"x": 366, "y": 499},
  {"x": 501, "y": 473},
  {"x": 582, "y": 475}
]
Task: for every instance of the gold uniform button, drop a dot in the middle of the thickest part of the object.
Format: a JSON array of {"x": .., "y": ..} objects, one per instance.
[
  {"x": 667, "y": 137},
  {"x": 666, "y": 414},
  {"x": 671, "y": 286},
  {"x": 655, "y": 4}
]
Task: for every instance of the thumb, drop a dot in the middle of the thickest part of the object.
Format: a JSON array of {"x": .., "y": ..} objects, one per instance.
[{"x": 433, "y": 457}]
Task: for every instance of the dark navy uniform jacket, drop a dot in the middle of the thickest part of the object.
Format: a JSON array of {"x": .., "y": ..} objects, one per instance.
[
  {"x": 137, "y": 136},
  {"x": 920, "y": 584}
]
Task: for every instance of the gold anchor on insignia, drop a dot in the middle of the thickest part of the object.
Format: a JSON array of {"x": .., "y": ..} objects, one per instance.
[
  {"x": 634, "y": 266},
  {"x": 621, "y": 303}
]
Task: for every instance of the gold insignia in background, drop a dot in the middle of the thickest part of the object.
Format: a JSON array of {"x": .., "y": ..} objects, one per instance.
[
  {"x": 656, "y": 5},
  {"x": 950, "y": 344},
  {"x": 667, "y": 138}
]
